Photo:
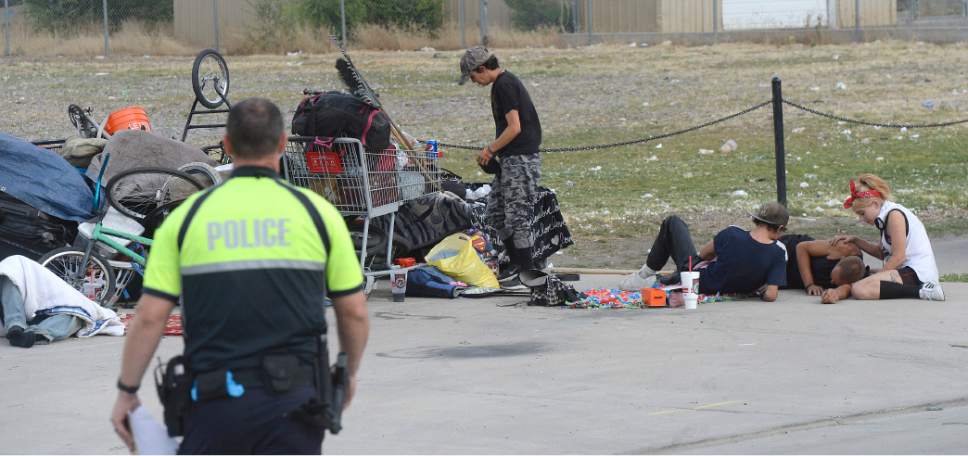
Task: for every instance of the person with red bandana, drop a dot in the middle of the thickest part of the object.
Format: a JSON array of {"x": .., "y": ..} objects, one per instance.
[{"x": 910, "y": 270}]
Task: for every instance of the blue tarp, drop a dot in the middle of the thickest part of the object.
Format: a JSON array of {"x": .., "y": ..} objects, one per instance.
[{"x": 43, "y": 180}]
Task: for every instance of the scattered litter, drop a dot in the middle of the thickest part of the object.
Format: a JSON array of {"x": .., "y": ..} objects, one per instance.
[
  {"x": 799, "y": 130},
  {"x": 836, "y": 56},
  {"x": 815, "y": 89},
  {"x": 633, "y": 44},
  {"x": 903, "y": 129},
  {"x": 595, "y": 169},
  {"x": 647, "y": 195},
  {"x": 294, "y": 54},
  {"x": 833, "y": 202},
  {"x": 927, "y": 104},
  {"x": 915, "y": 136},
  {"x": 880, "y": 158},
  {"x": 804, "y": 185},
  {"x": 728, "y": 146},
  {"x": 569, "y": 183},
  {"x": 847, "y": 132},
  {"x": 810, "y": 176},
  {"x": 427, "y": 49},
  {"x": 865, "y": 141},
  {"x": 653, "y": 158},
  {"x": 705, "y": 152},
  {"x": 841, "y": 86},
  {"x": 101, "y": 74},
  {"x": 740, "y": 194},
  {"x": 658, "y": 146}
]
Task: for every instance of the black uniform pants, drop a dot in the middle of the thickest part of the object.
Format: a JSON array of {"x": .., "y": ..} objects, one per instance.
[
  {"x": 256, "y": 423},
  {"x": 673, "y": 241}
]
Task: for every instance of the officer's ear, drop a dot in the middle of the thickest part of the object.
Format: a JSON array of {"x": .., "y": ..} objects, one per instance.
[
  {"x": 227, "y": 146},
  {"x": 283, "y": 138}
]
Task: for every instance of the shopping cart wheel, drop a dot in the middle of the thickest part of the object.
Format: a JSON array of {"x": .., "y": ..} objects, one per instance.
[{"x": 370, "y": 285}]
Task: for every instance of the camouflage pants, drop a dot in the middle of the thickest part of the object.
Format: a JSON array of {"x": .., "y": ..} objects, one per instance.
[{"x": 510, "y": 206}]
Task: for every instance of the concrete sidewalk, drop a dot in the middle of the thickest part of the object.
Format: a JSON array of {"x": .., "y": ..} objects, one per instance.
[{"x": 468, "y": 376}]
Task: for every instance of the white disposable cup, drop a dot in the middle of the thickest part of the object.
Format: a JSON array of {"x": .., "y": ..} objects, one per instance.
[
  {"x": 691, "y": 300},
  {"x": 690, "y": 281},
  {"x": 398, "y": 283}
]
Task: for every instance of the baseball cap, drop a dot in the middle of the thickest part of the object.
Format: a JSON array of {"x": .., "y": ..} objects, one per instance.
[
  {"x": 772, "y": 213},
  {"x": 473, "y": 58}
]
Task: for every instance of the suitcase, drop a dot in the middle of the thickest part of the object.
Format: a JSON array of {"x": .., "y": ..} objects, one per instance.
[{"x": 25, "y": 230}]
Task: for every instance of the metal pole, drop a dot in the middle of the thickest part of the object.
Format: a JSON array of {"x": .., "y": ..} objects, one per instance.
[
  {"x": 6, "y": 28},
  {"x": 575, "y": 7},
  {"x": 215, "y": 23},
  {"x": 484, "y": 22},
  {"x": 715, "y": 18},
  {"x": 781, "y": 195},
  {"x": 964, "y": 7},
  {"x": 833, "y": 14},
  {"x": 588, "y": 20},
  {"x": 857, "y": 35},
  {"x": 462, "y": 25},
  {"x": 342, "y": 20},
  {"x": 107, "y": 42}
]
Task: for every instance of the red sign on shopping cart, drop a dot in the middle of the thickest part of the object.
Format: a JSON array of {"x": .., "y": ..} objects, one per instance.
[{"x": 324, "y": 162}]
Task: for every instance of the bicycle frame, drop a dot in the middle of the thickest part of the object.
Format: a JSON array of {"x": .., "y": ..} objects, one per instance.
[{"x": 101, "y": 233}]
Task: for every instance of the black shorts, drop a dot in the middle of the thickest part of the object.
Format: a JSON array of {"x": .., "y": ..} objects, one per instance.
[{"x": 909, "y": 277}]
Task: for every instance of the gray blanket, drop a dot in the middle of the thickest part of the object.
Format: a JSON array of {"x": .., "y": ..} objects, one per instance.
[{"x": 138, "y": 149}]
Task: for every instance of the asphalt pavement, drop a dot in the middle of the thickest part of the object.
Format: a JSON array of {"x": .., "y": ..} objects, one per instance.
[{"x": 474, "y": 376}]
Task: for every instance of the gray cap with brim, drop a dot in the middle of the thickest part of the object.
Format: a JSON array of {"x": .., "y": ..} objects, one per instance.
[{"x": 472, "y": 58}]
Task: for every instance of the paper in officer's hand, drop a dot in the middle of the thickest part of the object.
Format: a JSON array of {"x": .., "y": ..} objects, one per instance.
[{"x": 150, "y": 436}]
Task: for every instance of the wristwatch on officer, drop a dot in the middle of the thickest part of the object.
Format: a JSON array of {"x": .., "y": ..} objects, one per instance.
[{"x": 128, "y": 389}]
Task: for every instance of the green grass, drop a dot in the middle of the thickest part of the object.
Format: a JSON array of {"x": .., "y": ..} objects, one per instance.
[
  {"x": 954, "y": 278},
  {"x": 613, "y": 199}
]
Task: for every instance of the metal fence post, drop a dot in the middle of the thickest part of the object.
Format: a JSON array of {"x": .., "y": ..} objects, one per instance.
[
  {"x": 6, "y": 28},
  {"x": 857, "y": 33},
  {"x": 588, "y": 20},
  {"x": 215, "y": 29},
  {"x": 575, "y": 7},
  {"x": 484, "y": 22},
  {"x": 461, "y": 24},
  {"x": 781, "y": 195},
  {"x": 716, "y": 20},
  {"x": 107, "y": 43},
  {"x": 342, "y": 20}
]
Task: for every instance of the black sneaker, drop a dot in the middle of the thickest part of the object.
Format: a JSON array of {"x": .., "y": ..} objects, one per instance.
[
  {"x": 509, "y": 274},
  {"x": 20, "y": 338}
]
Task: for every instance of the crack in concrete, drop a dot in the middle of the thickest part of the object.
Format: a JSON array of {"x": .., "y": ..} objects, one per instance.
[{"x": 804, "y": 426}]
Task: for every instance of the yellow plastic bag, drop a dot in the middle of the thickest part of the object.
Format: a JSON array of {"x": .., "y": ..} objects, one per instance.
[{"x": 456, "y": 257}]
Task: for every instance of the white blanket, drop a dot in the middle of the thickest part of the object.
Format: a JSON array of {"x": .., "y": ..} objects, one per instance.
[{"x": 45, "y": 293}]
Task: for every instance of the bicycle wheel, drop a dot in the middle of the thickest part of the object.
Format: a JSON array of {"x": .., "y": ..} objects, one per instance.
[
  {"x": 139, "y": 192},
  {"x": 210, "y": 78},
  {"x": 93, "y": 278},
  {"x": 82, "y": 122}
]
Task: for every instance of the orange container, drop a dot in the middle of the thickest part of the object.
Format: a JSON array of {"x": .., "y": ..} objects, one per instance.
[
  {"x": 130, "y": 118},
  {"x": 654, "y": 297}
]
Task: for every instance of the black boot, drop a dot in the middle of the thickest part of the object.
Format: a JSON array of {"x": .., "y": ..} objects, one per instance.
[{"x": 20, "y": 338}]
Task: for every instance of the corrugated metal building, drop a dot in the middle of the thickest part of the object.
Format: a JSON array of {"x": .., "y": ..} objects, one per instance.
[{"x": 194, "y": 20}]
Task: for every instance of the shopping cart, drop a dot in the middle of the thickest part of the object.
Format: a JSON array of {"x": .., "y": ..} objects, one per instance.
[{"x": 363, "y": 185}]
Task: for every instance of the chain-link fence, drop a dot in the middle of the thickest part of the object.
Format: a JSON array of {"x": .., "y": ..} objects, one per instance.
[{"x": 33, "y": 27}]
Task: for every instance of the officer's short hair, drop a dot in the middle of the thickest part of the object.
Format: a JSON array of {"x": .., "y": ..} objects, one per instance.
[{"x": 254, "y": 127}]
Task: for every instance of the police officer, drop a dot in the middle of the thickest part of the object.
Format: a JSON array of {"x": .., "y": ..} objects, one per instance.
[
  {"x": 250, "y": 260},
  {"x": 517, "y": 139}
]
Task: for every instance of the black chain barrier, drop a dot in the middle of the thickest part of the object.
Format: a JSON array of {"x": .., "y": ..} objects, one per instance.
[
  {"x": 630, "y": 142},
  {"x": 872, "y": 124}
]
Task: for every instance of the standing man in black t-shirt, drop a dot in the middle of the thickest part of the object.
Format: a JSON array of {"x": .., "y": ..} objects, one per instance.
[{"x": 515, "y": 147}]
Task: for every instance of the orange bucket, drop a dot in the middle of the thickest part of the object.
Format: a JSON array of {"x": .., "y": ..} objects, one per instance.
[{"x": 130, "y": 118}]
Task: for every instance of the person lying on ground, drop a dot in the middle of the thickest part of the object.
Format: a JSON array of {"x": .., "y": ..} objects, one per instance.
[
  {"x": 735, "y": 261},
  {"x": 817, "y": 265},
  {"x": 909, "y": 268},
  {"x": 37, "y": 306}
]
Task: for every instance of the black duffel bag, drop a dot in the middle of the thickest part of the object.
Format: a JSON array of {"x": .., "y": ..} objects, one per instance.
[
  {"x": 25, "y": 230},
  {"x": 340, "y": 114}
]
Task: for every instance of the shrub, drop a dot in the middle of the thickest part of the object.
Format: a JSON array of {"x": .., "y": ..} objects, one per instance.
[
  {"x": 67, "y": 15},
  {"x": 534, "y": 14}
]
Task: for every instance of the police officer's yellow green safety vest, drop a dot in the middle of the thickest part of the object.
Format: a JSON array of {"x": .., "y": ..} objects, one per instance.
[{"x": 249, "y": 263}]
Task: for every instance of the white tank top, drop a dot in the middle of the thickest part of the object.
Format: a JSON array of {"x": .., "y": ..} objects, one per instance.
[{"x": 920, "y": 255}]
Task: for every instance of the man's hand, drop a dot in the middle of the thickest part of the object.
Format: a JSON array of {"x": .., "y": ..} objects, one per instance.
[
  {"x": 125, "y": 404},
  {"x": 485, "y": 156},
  {"x": 830, "y": 297},
  {"x": 843, "y": 238},
  {"x": 350, "y": 391},
  {"x": 814, "y": 290}
]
